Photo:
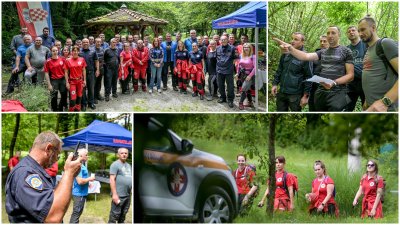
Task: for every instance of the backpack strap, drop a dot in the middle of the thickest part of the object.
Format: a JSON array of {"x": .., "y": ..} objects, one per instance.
[
  {"x": 285, "y": 184},
  {"x": 381, "y": 54}
]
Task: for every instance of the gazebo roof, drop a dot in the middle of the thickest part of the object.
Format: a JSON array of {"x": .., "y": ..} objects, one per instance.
[{"x": 124, "y": 16}]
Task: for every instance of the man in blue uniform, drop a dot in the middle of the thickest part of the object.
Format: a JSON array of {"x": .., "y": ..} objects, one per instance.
[
  {"x": 225, "y": 69},
  {"x": 30, "y": 194}
]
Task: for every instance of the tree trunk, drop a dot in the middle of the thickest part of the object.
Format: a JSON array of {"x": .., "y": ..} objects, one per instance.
[
  {"x": 40, "y": 123},
  {"x": 15, "y": 135},
  {"x": 57, "y": 128},
  {"x": 354, "y": 155},
  {"x": 271, "y": 164}
]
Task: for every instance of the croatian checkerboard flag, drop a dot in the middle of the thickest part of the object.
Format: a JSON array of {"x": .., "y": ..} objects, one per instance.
[{"x": 35, "y": 16}]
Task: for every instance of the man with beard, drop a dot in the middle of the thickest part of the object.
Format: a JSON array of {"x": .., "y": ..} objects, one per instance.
[
  {"x": 358, "y": 48},
  {"x": 47, "y": 40},
  {"x": 30, "y": 193},
  {"x": 380, "y": 70},
  {"x": 336, "y": 65}
]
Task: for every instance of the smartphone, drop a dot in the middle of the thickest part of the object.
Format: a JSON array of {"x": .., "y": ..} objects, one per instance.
[{"x": 76, "y": 151}]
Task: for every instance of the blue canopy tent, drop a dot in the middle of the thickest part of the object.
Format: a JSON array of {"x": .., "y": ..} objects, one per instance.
[
  {"x": 252, "y": 15},
  {"x": 101, "y": 136}
]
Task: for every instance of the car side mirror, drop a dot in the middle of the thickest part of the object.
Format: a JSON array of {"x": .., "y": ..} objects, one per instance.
[{"x": 187, "y": 145}]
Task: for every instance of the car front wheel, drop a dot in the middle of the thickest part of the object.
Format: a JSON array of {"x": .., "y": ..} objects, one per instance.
[{"x": 215, "y": 206}]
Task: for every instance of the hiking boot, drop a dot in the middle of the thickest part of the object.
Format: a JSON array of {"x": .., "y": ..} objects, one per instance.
[
  {"x": 221, "y": 100},
  {"x": 230, "y": 104},
  {"x": 201, "y": 97},
  {"x": 115, "y": 95},
  {"x": 107, "y": 98},
  {"x": 195, "y": 94},
  {"x": 241, "y": 106}
]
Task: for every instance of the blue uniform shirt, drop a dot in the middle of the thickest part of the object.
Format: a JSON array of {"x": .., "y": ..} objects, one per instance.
[
  {"x": 188, "y": 43},
  {"x": 29, "y": 192},
  {"x": 21, "y": 51},
  {"x": 81, "y": 190}
]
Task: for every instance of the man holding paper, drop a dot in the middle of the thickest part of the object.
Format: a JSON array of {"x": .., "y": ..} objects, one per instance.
[
  {"x": 291, "y": 74},
  {"x": 337, "y": 65}
]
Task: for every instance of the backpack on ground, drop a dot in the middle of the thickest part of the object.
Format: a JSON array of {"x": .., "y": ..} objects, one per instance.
[
  {"x": 295, "y": 184},
  {"x": 381, "y": 54},
  {"x": 376, "y": 180}
]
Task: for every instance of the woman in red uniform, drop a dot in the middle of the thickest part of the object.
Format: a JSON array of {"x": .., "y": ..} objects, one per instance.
[
  {"x": 284, "y": 187},
  {"x": 75, "y": 74},
  {"x": 181, "y": 65},
  {"x": 66, "y": 54},
  {"x": 125, "y": 68},
  {"x": 371, "y": 185},
  {"x": 55, "y": 77},
  {"x": 322, "y": 196},
  {"x": 196, "y": 65},
  {"x": 244, "y": 177}
]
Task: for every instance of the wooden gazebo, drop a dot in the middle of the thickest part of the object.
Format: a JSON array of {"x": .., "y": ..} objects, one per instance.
[{"x": 135, "y": 22}]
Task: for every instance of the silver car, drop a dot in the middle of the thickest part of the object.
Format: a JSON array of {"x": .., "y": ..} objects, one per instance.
[{"x": 182, "y": 182}]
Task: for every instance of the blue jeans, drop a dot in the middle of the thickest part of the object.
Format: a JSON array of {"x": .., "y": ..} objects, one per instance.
[{"x": 155, "y": 71}]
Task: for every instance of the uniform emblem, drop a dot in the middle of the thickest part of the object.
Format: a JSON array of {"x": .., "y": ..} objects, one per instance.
[
  {"x": 73, "y": 92},
  {"x": 279, "y": 179},
  {"x": 79, "y": 63},
  {"x": 177, "y": 179},
  {"x": 371, "y": 184},
  {"x": 61, "y": 63},
  {"x": 35, "y": 182},
  {"x": 323, "y": 185}
]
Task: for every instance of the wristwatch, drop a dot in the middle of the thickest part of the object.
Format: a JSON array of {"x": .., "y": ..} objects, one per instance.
[
  {"x": 386, "y": 101},
  {"x": 323, "y": 204}
]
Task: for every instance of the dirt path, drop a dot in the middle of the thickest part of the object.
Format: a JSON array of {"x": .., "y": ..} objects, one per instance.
[{"x": 168, "y": 101}]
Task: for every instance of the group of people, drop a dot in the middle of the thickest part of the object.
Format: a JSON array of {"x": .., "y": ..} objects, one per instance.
[
  {"x": 323, "y": 191},
  {"x": 33, "y": 196},
  {"x": 79, "y": 69},
  {"x": 366, "y": 69}
]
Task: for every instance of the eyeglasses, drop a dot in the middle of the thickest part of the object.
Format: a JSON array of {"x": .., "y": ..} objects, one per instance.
[{"x": 370, "y": 165}]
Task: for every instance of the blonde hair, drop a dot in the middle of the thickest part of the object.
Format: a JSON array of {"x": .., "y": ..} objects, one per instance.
[{"x": 251, "y": 50}]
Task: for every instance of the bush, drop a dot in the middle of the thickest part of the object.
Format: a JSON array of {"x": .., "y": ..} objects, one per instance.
[{"x": 34, "y": 98}]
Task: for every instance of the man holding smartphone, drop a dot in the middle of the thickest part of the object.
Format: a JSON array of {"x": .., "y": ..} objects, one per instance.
[{"x": 30, "y": 193}]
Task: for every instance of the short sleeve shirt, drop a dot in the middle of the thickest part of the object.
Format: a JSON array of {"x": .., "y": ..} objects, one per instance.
[
  {"x": 376, "y": 79},
  {"x": 38, "y": 56},
  {"x": 55, "y": 68},
  {"x": 370, "y": 187},
  {"x": 123, "y": 173},
  {"x": 244, "y": 179},
  {"x": 81, "y": 190},
  {"x": 29, "y": 192},
  {"x": 333, "y": 61},
  {"x": 323, "y": 188},
  {"x": 280, "y": 192},
  {"x": 75, "y": 67},
  {"x": 126, "y": 56}
]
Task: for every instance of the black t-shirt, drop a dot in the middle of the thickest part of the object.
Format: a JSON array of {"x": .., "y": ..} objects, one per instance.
[{"x": 212, "y": 62}]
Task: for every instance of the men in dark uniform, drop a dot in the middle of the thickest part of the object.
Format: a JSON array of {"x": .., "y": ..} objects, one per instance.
[
  {"x": 100, "y": 56},
  {"x": 111, "y": 61},
  {"x": 47, "y": 40},
  {"x": 30, "y": 194},
  {"x": 225, "y": 69},
  {"x": 169, "y": 48},
  {"x": 92, "y": 63},
  {"x": 337, "y": 65},
  {"x": 290, "y": 76}
]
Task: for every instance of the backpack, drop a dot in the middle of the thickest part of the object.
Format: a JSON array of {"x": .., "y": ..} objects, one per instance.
[
  {"x": 381, "y": 54},
  {"x": 376, "y": 180},
  {"x": 295, "y": 184},
  {"x": 249, "y": 167}
]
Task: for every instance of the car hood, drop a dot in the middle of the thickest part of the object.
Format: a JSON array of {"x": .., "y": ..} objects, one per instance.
[{"x": 199, "y": 153}]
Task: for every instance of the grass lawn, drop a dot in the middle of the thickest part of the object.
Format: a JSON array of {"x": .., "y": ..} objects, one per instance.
[
  {"x": 95, "y": 212},
  {"x": 300, "y": 162}
]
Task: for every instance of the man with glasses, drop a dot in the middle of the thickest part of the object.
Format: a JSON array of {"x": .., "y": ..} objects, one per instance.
[
  {"x": 30, "y": 193},
  {"x": 121, "y": 187},
  {"x": 81, "y": 187}
]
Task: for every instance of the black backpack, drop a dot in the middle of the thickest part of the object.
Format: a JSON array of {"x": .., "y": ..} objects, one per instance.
[
  {"x": 295, "y": 185},
  {"x": 381, "y": 54}
]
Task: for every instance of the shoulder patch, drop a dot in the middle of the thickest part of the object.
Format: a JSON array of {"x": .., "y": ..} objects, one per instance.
[{"x": 34, "y": 181}]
